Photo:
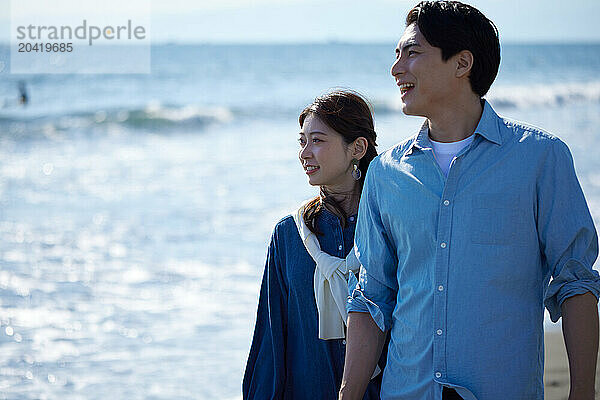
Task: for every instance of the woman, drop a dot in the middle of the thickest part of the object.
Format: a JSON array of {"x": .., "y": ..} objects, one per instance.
[{"x": 298, "y": 347}]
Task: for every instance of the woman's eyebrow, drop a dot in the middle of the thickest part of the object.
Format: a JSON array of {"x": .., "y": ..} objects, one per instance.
[
  {"x": 312, "y": 133},
  {"x": 317, "y": 133}
]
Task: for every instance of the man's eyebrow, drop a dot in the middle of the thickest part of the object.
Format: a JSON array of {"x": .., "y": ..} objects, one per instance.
[
  {"x": 410, "y": 43},
  {"x": 406, "y": 45}
]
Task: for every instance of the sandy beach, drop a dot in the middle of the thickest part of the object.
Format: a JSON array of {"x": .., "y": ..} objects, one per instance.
[{"x": 556, "y": 372}]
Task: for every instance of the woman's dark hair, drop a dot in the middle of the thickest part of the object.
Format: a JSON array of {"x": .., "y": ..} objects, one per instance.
[
  {"x": 349, "y": 114},
  {"x": 453, "y": 27}
]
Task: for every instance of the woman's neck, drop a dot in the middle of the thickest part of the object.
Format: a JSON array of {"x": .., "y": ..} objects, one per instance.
[{"x": 348, "y": 201}]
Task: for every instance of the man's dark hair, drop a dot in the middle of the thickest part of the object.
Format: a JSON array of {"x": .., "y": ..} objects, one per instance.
[{"x": 453, "y": 27}]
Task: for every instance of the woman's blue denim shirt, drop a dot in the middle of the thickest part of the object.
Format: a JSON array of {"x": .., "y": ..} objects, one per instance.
[{"x": 287, "y": 359}]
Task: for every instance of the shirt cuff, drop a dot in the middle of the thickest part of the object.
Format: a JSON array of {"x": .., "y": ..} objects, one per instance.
[
  {"x": 357, "y": 302},
  {"x": 574, "y": 279}
]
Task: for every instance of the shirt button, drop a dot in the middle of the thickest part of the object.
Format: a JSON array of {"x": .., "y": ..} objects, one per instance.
[
  {"x": 443, "y": 245},
  {"x": 441, "y": 288},
  {"x": 351, "y": 219},
  {"x": 340, "y": 247},
  {"x": 439, "y": 332},
  {"x": 438, "y": 374},
  {"x": 343, "y": 342},
  {"x": 446, "y": 202}
]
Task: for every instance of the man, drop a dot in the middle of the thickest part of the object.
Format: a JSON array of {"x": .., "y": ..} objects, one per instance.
[{"x": 461, "y": 229}]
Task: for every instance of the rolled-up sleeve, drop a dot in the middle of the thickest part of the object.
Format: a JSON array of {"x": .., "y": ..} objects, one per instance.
[
  {"x": 567, "y": 235},
  {"x": 377, "y": 286}
]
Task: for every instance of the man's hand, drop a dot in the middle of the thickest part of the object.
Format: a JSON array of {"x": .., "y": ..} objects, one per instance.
[
  {"x": 580, "y": 331},
  {"x": 364, "y": 343}
]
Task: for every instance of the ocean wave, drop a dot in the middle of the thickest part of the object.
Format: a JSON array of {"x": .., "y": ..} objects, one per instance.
[
  {"x": 530, "y": 96},
  {"x": 156, "y": 116},
  {"x": 160, "y": 118},
  {"x": 153, "y": 117},
  {"x": 544, "y": 95}
]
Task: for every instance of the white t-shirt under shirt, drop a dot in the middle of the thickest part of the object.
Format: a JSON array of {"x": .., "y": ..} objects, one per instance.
[{"x": 445, "y": 152}]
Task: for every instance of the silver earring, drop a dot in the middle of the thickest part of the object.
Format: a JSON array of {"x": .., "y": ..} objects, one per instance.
[{"x": 356, "y": 173}]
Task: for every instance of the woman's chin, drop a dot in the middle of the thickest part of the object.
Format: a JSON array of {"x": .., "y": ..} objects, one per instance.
[{"x": 313, "y": 182}]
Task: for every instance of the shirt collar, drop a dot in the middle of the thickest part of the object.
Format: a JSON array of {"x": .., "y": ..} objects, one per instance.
[
  {"x": 332, "y": 218},
  {"x": 488, "y": 124},
  {"x": 487, "y": 128}
]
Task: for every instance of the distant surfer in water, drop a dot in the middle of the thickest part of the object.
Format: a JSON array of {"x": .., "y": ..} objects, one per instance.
[{"x": 23, "y": 98}]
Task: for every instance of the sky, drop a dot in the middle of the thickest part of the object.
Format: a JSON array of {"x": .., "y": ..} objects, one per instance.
[{"x": 289, "y": 21}]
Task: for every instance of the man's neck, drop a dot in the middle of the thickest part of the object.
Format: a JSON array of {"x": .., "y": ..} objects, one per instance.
[{"x": 457, "y": 121}]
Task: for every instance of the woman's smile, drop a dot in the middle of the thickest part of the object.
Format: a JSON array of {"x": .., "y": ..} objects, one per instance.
[{"x": 311, "y": 169}]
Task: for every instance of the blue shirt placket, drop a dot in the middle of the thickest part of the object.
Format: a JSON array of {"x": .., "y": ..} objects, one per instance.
[{"x": 444, "y": 230}]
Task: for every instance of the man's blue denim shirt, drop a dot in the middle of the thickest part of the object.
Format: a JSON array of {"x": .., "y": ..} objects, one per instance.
[{"x": 460, "y": 268}]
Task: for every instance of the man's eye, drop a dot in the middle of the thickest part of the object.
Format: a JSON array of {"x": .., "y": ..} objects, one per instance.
[
  {"x": 412, "y": 52},
  {"x": 315, "y": 140},
  {"x": 301, "y": 142}
]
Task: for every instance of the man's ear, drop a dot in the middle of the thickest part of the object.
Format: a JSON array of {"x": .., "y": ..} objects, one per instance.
[
  {"x": 464, "y": 63},
  {"x": 359, "y": 148}
]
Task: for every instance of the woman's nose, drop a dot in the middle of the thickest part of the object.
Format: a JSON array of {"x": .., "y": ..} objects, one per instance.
[{"x": 305, "y": 152}]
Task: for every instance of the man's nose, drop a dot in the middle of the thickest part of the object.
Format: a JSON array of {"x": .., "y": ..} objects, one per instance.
[{"x": 397, "y": 67}]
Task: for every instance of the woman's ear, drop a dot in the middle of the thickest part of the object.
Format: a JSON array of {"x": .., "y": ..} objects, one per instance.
[
  {"x": 464, "y": 63},
  {"x": 359, "y": 148}
]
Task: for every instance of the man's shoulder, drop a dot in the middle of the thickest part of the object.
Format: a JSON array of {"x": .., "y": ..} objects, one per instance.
[
  {"x": 394, "y": 154},
  {"x": 527, "y": 133},
  {"x": 533, "y": 142}
]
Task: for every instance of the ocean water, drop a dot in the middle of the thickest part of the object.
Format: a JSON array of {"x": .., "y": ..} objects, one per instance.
[{"x": 135, "y": 210}]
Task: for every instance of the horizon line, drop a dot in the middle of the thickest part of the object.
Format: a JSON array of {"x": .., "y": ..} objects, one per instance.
[{"x": 337, "y": 42}]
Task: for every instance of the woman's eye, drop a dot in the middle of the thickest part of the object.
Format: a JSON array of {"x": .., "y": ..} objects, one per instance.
[
  {"x": 301, "y": 142},
  {"x": 317, "y": 140}
]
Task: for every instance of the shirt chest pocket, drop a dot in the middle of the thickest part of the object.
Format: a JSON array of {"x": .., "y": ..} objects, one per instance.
[{"x": 498, "y": 219}]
